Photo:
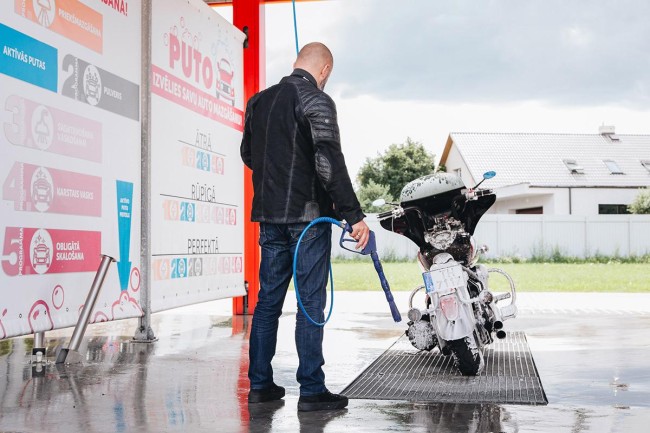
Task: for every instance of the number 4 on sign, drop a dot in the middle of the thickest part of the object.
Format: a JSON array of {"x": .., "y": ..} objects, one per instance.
[{"x": 13, "y": 188}]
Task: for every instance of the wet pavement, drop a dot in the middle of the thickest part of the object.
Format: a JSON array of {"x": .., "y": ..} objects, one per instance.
[{"x": 592, "y": 352}]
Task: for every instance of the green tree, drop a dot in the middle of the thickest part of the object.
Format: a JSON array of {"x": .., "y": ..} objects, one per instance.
[
  {"x": 397, "y": 166},
  {"x": 371, "y": 192},
  {"x": 641, "y": 203}
]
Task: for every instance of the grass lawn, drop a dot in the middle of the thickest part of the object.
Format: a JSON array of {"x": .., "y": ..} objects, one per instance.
[{"x": 530, "y": 277}]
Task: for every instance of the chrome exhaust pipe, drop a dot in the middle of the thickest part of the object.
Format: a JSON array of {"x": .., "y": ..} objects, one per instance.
[
  {"x": 498, "y": 324},
  {"x": 501, "y": 334}
]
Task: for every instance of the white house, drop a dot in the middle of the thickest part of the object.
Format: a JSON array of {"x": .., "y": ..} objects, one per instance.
[{"x": 557, "y": 174}]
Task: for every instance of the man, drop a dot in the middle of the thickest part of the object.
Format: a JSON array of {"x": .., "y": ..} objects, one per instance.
[{"x": 291, "y": 142}]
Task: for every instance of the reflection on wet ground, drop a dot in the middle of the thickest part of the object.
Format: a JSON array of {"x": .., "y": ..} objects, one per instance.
[{"x": 594, "y": 368}]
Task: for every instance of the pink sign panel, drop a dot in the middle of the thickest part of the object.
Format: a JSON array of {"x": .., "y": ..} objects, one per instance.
[
  {"x": 42, "y": 189},
  {"x": 52, "y": 130},
  {"x": 33, "y": 251},
  {"x": 179, "y": 92}
]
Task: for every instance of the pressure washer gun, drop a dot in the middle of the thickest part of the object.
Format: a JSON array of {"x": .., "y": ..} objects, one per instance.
[{"x": 371, "y": 250}]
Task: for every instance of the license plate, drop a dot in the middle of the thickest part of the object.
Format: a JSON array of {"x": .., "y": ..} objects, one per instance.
[{"x": 444, "y": 278}]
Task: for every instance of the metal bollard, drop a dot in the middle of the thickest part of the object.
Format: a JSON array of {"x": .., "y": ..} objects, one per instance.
[
  {"x": 38, "y": 350},
  {"x": 82, "y": 323}
]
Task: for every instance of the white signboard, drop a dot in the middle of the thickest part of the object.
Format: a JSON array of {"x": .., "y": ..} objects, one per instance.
[
  {"x": 69, "y": 160},
  {"x": 197, "y": 174}
]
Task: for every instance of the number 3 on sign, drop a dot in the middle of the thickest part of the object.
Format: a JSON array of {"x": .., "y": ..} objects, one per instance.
[{"x": 16, "y": 131}]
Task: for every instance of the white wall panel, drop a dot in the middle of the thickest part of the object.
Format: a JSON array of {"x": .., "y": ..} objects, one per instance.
[{"x": 525, "y": 235}]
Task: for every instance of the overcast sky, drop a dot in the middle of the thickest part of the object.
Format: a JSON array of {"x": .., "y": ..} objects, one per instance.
[{"x": 424, "y": 68}]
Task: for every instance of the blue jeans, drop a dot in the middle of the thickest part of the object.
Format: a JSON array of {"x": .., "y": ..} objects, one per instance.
[{"x": 278, "y": 242}]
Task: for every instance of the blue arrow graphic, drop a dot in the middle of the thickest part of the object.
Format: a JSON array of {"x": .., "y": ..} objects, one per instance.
[{"x": 124, "y": 206}]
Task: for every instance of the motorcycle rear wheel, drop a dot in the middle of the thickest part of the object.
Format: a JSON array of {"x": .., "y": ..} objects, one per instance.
[{"x": 469, "y": 361}]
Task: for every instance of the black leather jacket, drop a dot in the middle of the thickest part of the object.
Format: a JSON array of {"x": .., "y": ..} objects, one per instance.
[{"x": 291, "y": 142}]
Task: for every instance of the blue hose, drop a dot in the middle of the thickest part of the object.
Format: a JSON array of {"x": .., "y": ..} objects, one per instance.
[
  {"x": 369, "y": 250},
  {"x": 295, "y": 26},
  {"x": 295, "y": 275}
]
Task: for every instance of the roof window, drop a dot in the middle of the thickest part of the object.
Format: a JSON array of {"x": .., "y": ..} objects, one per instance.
[
  {"x": 646, "y": 164},
  {"x": 573, "y": 166},
  {"x": 613, "y": 166}
]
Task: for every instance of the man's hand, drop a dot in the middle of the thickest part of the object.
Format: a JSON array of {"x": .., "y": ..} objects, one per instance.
[{"x": 361, "y": 233}]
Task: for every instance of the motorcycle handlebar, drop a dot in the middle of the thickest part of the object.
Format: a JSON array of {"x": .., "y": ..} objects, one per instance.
[
  {"x": 398, "y": 212},
  {"x": 474, "y": 194},
  {"x": 382, "y": 215}
]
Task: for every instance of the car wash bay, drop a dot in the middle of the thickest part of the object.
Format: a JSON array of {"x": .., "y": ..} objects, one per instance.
[{"x": 592, "y": 363}]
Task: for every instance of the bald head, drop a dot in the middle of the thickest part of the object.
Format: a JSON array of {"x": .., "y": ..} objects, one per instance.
[
  {"x": 316, "y": 59},
  {"x": 315, "y": 55}
]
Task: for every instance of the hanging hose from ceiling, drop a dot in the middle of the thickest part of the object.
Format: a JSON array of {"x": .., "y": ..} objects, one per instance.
[{"x": 295, "y": 26}]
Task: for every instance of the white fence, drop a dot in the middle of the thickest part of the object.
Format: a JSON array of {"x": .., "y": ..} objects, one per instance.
[{"x": 527, "y": 235}]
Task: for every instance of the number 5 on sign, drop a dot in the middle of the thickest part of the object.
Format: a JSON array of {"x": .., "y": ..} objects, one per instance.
[{"x": 12, "y": 253}]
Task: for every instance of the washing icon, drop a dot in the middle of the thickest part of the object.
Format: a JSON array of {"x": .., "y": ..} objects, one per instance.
[
  {"x": 42, "y": 127},
  {"x": 92, "y": 85},
  {"x": 45, "y": 10},
  {"x": 41, "y": 251},
  {"x": 42, "y": 189}
]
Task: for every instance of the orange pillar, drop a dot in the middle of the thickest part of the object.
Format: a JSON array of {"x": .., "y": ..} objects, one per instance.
[{"x": 248, "y": 16}]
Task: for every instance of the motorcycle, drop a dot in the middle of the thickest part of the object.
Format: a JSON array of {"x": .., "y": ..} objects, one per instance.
[{"x": 460, "y": 315}]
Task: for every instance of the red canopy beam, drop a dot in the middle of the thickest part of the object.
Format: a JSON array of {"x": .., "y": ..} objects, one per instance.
[{"x": 248, "y": 16}]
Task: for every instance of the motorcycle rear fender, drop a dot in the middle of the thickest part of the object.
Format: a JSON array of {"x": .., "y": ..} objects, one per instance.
[
  {"x": 462, "y": 327},
  {"x": 449, "y": 307}
]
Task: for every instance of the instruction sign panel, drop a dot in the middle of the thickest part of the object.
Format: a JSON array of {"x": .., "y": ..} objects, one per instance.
[
  {"x": 196, "y": 177},
  {"x": 69, "y": 160}
]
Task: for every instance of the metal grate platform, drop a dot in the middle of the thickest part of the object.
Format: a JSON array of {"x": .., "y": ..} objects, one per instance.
[{"x": 404, "y": 373}]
